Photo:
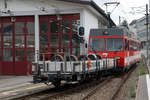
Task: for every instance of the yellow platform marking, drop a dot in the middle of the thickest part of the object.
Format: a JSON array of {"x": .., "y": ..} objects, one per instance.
[
  {"x": 23, "y": 89},
  {"x": 63, "y": 81}
]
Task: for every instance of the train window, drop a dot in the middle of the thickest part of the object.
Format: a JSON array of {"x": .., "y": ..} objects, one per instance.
[
  {"x": 131, "y": 46},
  {"x": 114, "y": 44},
  {"x": 126, "y": 44},
  {"x": 97, "y": 44}
]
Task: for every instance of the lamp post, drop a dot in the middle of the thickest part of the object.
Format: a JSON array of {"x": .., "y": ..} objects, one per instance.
[{"x": 147, "y": 23}]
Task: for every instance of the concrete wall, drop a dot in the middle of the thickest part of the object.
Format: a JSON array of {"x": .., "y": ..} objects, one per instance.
[{"x": 91, "y": 21}]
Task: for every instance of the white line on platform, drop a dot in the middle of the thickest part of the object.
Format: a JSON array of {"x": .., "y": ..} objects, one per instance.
[
  {"x": 15, "y": 86},
  {"x": 148, "y": 85}
]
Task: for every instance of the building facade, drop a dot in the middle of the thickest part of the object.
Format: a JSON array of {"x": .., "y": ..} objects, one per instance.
[
  {"x": 141, "y": 30},
  {"x": 139, "y": 27},
  {"x": 31, "y": 27}
]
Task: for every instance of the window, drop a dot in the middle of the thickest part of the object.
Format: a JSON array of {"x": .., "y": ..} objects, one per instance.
[
  {"x": 54, "y": 27},
  {"x": 19, "y": 28},
  {"x": 43, "y": 41},
  {"x": 0, "y": 28},
  {"x": 67, "y": 50},
  {"x": 43, "y": 27},
  {"x": 7, "y": 41},
  {"x": 30, "y": 41},
  {"x": 19, "y": 41},
  {"x": 65, "y": 26},
  {"x": 75, "y": 25},
  {"x": 76, "y": 51},
  {"x": 0, "y": 41},
  {"x": 126, "y": 44},
  {"x": 30, "y": 54},
  {"x": 54, "y": 40},
  {"x": 7, "y": 28},
  {"x": 19, "y": 54},
  {"x": 7, "y": 54},
  {"x": 114, "y": 44},
  {"x": 30, "y": 28},
  {"x": 97, "y": 44},
  {"x": 66, "y": 40},
  {"x": 43, "y": 49},
  {"x": 75, "y": 40},
  {"x": 54, "y": 49},
  {"x": 0, "y": 37},
  {"x": 0, "y": 55},
  {"x": 133, "y": 46}
]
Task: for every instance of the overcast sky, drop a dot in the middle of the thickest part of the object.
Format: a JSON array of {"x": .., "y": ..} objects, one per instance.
[{"x": 125, "y": 9}]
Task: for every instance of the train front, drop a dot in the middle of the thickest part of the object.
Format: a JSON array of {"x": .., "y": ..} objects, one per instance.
[{"x": 109, "y": 43}]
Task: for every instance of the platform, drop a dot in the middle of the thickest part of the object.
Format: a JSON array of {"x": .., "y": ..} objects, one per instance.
[
  {"x": 17, "y": 86},
  {"x": 143, "y": 89}
]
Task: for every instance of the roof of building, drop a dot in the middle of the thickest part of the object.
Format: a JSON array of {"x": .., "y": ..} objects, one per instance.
[
  {"x": 94, "y": 5},
  {"x": 133, "y": 22}
]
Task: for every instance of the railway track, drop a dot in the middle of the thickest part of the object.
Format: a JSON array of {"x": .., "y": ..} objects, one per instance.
[
  {"x": 64, "y": 90},
  {"x": 124, "y": 77},
  {"x": 123, "y": 81},
  {"x": 93, "y": 91},
  {"x": 93, "y": 87}
]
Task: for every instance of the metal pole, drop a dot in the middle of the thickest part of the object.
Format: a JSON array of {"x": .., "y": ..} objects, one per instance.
[
  {"x": 147, "y": 28},
  {"x": 5, "y": 4},
  {"x": 119, "y": 20}
]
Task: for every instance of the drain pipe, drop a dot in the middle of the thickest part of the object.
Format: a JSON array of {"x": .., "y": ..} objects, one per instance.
[{"x": 5, "y": 4}]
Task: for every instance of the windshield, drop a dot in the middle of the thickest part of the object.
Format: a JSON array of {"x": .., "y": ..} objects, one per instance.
[
  {"x": 97, "y": 44},
  {"x": 114, "y": 44}
]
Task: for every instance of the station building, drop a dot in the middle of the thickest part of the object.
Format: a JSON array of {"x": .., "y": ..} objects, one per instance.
[{"x": 30, "y": 27}]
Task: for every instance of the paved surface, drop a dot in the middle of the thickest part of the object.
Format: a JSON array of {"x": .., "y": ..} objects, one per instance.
[
  {"x": 148, "y": 85},
  {"x": 143, "y": 89},
  {"x": 17, "y": 86},
  {"x": 11, "y": 82}
]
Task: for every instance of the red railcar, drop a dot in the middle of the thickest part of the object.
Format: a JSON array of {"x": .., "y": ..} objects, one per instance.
[{"x": 115, "y": 43}]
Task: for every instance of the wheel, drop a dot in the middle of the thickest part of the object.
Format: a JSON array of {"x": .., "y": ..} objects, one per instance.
[
  {"x": 35, "y": 79},
  {"x": 57, "y": 83},
  {"x": 98, "y": 76}
]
